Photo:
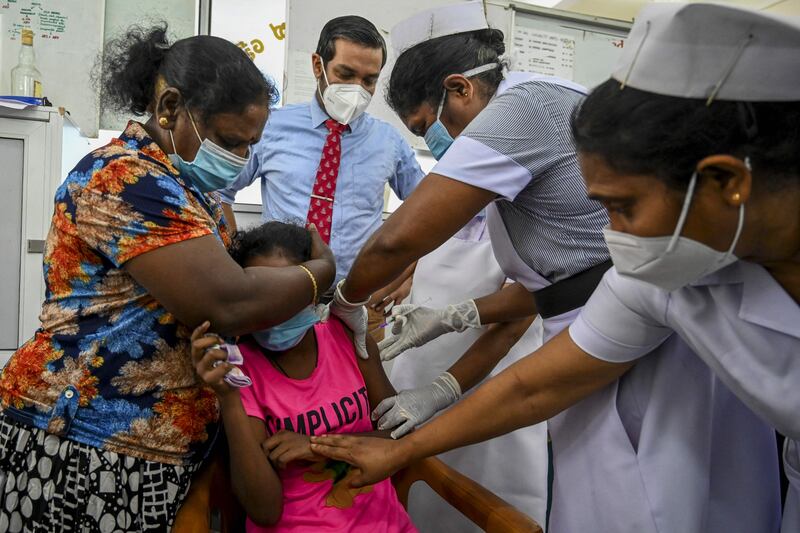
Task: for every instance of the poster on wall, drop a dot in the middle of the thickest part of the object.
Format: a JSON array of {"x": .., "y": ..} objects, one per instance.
[
  {"x": 259, "y": 28},
  {"x": 544, "y": 52},
  {"x": 67, "y": 39}
]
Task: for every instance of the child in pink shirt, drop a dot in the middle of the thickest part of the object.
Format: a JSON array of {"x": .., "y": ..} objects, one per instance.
[{"x": 306, "y": 380}]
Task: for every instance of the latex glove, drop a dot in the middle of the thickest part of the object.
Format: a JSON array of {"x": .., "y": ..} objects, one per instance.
[
  {"x": 412, "y": 407},
  {"x": 414, "y": 325},
  {"x": 354, "y": 316}
]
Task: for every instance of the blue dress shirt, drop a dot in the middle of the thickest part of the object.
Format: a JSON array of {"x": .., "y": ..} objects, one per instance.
[{"x": 286, "y": 160}]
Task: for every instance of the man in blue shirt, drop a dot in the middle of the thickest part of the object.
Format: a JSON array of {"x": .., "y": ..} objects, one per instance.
[{"x": 299, "y": 182}]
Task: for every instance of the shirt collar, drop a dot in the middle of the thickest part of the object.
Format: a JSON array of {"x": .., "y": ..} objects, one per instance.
[
  {"x": 319, "y": 116},
  {"x": 763, "y": 300},
  {"x": 766, "y": 303}
]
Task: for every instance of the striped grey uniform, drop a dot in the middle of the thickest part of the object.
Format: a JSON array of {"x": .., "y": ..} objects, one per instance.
[{"x": 554, "y": 227}]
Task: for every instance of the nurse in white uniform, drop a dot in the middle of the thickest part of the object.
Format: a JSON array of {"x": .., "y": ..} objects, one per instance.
[
  {"x": 513, "y": 466},
  {"x": 705, "y": 123}
]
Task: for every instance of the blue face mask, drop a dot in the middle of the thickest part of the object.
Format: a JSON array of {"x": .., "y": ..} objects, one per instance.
[
  {"x": 287, "y": 335},
  {"x": 437, "y": 137},
  {"x": 213, "y": 168}
]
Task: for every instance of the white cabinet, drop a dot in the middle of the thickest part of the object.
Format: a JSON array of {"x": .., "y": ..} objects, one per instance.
[{"x": 31, "y": 168}]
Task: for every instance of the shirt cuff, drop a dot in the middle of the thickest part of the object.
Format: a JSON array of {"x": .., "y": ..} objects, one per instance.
[
  {"x": 472, "y": 162},
  {"x": 592, "y": 341},
  {"x": 227, "y": 196}
]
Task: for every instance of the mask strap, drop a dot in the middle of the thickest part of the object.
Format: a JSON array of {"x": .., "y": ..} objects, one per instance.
[
  {"x": 480, "y": 70},
  {"x": 191, "y": 119},
  {"x": 174, "y": 150},
  {"x": 467, "y": 74},
  {"x": 740, "y": 225},
  {"x": 687, "y": 202},
  {"x": 324, "y": 75},
  {"x": 738, "y": 233},
  {"x": 441, "y": 105}
]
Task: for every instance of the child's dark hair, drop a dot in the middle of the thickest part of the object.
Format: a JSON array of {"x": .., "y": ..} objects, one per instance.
[{"x": 291, "y": 240}]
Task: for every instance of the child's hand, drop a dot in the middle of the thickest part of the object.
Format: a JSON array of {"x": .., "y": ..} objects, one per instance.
[
  {"x": 285, "y": 447},
  {"x": 210, "y": 365}
]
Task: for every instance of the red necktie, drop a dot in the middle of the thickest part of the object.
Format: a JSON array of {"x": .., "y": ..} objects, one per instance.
[{"x": 320, "y": 210}]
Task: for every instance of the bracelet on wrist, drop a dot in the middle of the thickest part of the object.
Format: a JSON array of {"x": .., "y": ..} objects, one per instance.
[{"x": 313, "y": 283}]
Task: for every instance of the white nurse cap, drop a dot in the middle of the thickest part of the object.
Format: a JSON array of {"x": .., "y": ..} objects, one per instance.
[
  {"x": 438, "y": 22},
  {"x": 714, "y": 52}
]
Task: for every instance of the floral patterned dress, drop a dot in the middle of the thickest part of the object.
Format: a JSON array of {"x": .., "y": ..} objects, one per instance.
[{"x": 106, "y": 383}]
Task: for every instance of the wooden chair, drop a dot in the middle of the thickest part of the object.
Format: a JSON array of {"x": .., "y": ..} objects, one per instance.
[{"x": 211, "y": 502}]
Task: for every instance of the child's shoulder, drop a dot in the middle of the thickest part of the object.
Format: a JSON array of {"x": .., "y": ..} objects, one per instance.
[
  {"x": 335, "y": 325},
  {"x": 252, "y": 355}
]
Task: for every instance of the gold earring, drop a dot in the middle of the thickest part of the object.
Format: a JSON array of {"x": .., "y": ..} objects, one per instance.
[
  {"x": 163, "y": 122},
  {"x": 736, "y": 197}
]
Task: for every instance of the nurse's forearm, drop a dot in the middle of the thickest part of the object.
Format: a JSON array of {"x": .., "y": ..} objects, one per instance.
[
  {"x": 485, "y": 353},
  {"x": 434, "y": 212},
  {"x": 532, "y": 390},
  {"x": 512, "y": 302}
]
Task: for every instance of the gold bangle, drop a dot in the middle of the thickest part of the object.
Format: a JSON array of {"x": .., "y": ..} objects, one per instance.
[{"x": 313, "y": 282}]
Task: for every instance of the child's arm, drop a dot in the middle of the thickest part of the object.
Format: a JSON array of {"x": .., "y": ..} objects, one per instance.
[
  {"x": 378, "y": 385},
  {"x": 255, "y": 482},
  {"x": 285, "y": 447}
]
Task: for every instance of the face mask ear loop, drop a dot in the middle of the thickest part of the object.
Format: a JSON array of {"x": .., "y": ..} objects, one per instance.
[
  {"x": 324, "y": 75},
  {"x": 739, "y": 228},
  {"x": 191, "y": 119},
  {"x": 441, "y": 105},
  {"x": 687, "y": 202},
  {"x": 171, "y": 138},
  {"x": 740, "y": 225},
  {"x": 480, "y": 70}
]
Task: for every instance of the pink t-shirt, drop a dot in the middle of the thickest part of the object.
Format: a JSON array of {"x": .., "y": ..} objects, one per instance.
[{"x": 333, "y": 399}]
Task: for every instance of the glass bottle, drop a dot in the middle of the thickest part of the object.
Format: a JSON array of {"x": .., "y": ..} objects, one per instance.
[{"x": 26, "y": 80}]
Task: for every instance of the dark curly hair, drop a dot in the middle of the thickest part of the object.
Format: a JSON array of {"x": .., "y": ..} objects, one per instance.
[
  {"x": 639, "y": 132},
  {"x": 212, "y": 74},
  {"x": 419, "y": 72},
  {"x": 291, "y": 240}
]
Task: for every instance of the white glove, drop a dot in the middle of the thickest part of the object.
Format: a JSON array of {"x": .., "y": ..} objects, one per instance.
[
  {"x": 413, "y": 407},
  {"x": 354, "y": 316},
  {"x": 414, "y": 325}
]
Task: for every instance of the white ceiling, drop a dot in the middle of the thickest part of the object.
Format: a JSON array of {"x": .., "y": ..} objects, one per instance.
[{"x": 627, "y": 9}]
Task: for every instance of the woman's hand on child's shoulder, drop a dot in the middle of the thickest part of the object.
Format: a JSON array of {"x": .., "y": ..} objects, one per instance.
[
  {"x": 210, "y": 364},
  {"x": 285, "y": 447}
]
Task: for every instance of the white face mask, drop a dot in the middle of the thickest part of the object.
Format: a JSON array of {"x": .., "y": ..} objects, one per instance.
[
  {"x": 669, "y": 262},
  {"x": 344, "y": 102}
]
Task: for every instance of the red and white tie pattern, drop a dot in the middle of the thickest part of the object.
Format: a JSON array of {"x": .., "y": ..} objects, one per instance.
[{"x": 320, "y": 209}]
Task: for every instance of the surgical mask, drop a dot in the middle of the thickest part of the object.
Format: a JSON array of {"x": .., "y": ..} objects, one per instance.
[
  {"x": 344, "y": 102},
  {"x": 669, "y": 262},
  {"x": 213, "y": 168},
  {"x": 287, "y": 335},
  {"x": 437, "y": 137}
]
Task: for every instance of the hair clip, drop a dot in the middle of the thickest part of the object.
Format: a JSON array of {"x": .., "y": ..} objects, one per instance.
[
  {"x": 635, "y": 56},
  {"x": 729, "y": 69}
]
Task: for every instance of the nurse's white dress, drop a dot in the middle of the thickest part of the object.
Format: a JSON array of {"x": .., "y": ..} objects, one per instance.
[
  {"x": 740, "y": 322},
  {"x": 666, "y": 448},
  {"x": 513, "y": 466}
]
